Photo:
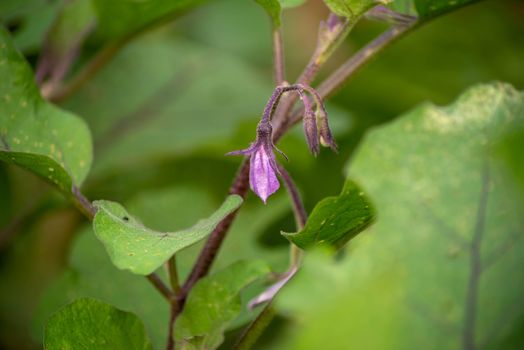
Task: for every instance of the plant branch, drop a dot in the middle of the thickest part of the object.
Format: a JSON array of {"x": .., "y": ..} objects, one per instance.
[
  {"x": 173, "y": 275},
  {"x": 298, "y": 206},
  {"x": 331, "y": 35},
  {"x": 173, "y": 312},
  {"x": 279, "y": 70},
  {"x": 157, "y": 282},
  {"x": 347, "y": 70},
  {"x": 363, "y": 56}
]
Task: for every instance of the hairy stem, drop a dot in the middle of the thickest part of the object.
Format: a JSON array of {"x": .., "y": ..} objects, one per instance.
[
  {"x": 323, "y": 51},
  {"x": 346, "y": 71}
]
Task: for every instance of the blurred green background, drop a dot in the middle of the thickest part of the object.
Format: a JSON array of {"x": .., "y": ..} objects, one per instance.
[{"x": 169, "y": 105}]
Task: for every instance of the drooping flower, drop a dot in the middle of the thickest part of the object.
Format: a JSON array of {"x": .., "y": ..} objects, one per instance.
[{"x": 263, "y": 166}]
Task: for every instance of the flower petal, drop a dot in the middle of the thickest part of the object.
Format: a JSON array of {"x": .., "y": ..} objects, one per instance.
[{"x": 262, "y": 176}]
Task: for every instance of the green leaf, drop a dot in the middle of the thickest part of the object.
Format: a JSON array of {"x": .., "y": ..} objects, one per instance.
[
  {"x": 31, "y": 20},
  {"x": 118, "y": 18},
  {"x": 336, "y": 220},
  {"x": 141, "y": 250},
  {"x": 90, "y": 272},
  {"x": 291, "y": 3},
  {"x": 352, "y": 9},
  {"x": 92, "y": 324},
  {"x": 448, "y": 239},
  {"x": 214, "y": 302},
  {"x": 34, "y": 134},
  {"x": 273, "y": 9},
  {"x": 431, "y": 8}
]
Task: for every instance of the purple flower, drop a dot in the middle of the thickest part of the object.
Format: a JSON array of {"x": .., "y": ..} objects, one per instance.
[{"x": 263, "y": 166}]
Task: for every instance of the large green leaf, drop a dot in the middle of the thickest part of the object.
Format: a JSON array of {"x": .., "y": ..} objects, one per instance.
[
  {"x": 336, "y": 220},
  {"x": 214, "y": 302},
  {"x": 34, "y": 134},
  {"x": 352, "y": 9},
  {"x": 449, "y": 232},
  {"x": 117, "y": 18},
  {"x": 141, "y": 250},
  {"x": 92, "y": 324}
]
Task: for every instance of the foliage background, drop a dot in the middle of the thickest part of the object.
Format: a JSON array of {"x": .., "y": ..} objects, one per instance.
[{"x": 178, "y": 97}]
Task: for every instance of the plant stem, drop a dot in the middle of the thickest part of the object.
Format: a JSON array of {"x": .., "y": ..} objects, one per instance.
[
  {"x": 173, "y": 312},
  {"x": 173, "y": 275},
  {"x": 322, "y": 53},
  {"x": 83, "y": 204},
  {"x": 363, "y": 56},
  {"x": 278, "y": 56},
  {"x": 255, "y": 329},
  {"x": 207, "y": 255},
  {"x": 161, "y": 287},
  {"x": 298, "y": 206},
  {"x": 346, "y": 71}
]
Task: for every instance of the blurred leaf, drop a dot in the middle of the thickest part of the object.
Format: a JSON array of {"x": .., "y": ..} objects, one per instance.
[
  {"x": 327, "y": 313},
  {"x": 336, "y": 220},
  {"x": 449, "y": 231},
  {"x": 291, "y": 3},
  {"x": 214, "y": 302},
  {"x": 34, "y": 134},
  {"x": 431, "y": 8},
  {"x": 352, "y": 9},
  {"x": 162, "y": 97},
  {"x": 273, "y": 9},
  {"x": 72, "y": 25},
  {"x": 509, "y": 149},
  {"x": 73, "y": 21},
  {"x": 141, "y": 250},
  {"x": 28, "y": 20},
  {"x": 92, "y": 324},
  {"x": 118, "y": 18}
]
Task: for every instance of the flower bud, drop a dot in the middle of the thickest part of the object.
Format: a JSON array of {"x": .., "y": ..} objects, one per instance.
[
  {"x": 326, "y": 137},
  {"x": 311, "y": 132}
]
